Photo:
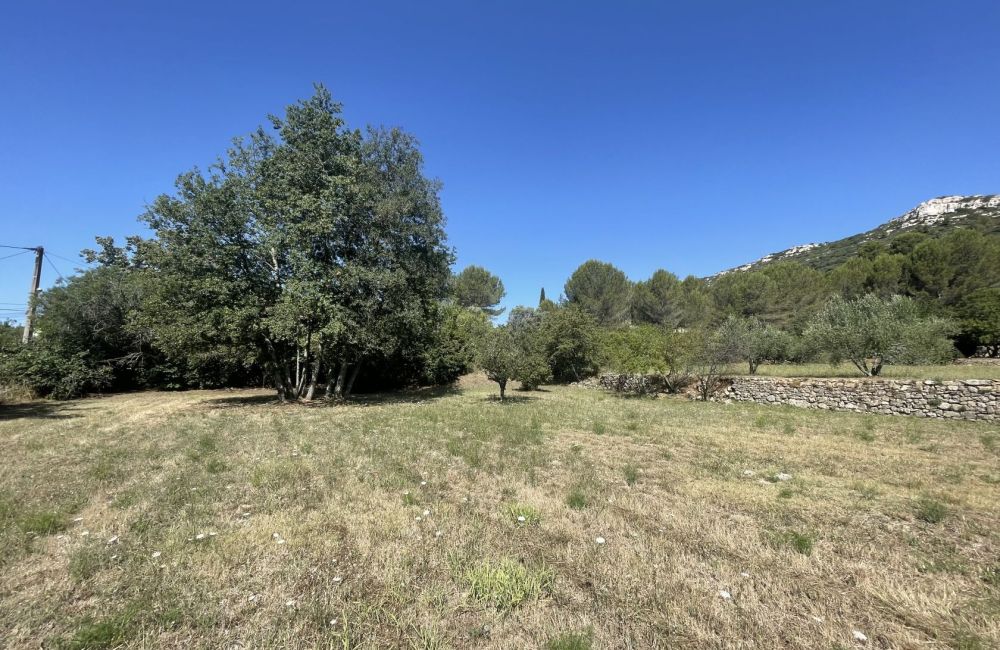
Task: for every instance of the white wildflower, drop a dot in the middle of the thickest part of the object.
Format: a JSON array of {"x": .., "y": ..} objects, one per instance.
[
  {"x": 156, "y": 554},
  {"x": 520, "y": 518},
  {"x": 860, "y": 636},
  {"x": 725, "y": 595},
  {"x": 599, "y": 540},
  {"x": 427, "y": 513}
]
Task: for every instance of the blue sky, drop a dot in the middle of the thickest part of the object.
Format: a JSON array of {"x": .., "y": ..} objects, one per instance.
[{"x": 689, "y": 136}]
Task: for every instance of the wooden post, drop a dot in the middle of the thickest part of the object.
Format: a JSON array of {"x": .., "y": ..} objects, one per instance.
[{"x": 36, "y": 279}]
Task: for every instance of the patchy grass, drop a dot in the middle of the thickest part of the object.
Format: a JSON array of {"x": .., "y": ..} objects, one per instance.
[
  {"x": 506, "y": 584},
  {"x": 215, "y": 518},
  {"x": 931, "y": 510}
]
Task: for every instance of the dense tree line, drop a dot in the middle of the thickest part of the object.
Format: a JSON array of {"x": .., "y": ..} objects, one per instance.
[{"x": 312, "y": 258}]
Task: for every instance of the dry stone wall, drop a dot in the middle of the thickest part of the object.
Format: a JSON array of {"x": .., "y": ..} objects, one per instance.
[{"x": 968, "y": 399}]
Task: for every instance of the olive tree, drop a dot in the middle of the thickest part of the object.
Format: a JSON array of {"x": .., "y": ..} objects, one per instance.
[
  {"x": 870, "y": 331},
  {"x": 753, "y": 341}
]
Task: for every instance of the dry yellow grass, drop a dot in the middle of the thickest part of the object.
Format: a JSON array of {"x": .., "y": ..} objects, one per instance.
[{"x": 392, "y": 522}]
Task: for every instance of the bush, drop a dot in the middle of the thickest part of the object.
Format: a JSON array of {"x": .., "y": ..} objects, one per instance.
[{"x": 47, "y": 371}]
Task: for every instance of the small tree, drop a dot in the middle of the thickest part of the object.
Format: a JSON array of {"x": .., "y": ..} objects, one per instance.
[
  {"x": 525, "y": 325},
  {"x": 754, "y": 341},
  {"x": 570, "y": 341},
  {"x": 500, "y": 357},
  {"x": 870, "y": 332},
  {"x": 708, "y": 354}
]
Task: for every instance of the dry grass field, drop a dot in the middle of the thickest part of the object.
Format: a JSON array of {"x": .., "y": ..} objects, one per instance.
[{"x": 563, "y": 519}]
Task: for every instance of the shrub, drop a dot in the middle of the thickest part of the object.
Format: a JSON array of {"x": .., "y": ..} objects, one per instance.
[{"x": 48, "y": 371}]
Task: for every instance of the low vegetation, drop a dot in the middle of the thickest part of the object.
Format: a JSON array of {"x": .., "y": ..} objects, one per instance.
[{"x": 205, "y": 519}]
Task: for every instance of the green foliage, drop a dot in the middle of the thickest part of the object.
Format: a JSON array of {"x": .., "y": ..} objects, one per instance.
[
  {"x": 655, "y": 300},
  {"x": 478, "y": 288},
  {"x": 316, "y": 249},
  {"x": 455, "y": 342},
  {"x": 979, "y": 318},
  {"x": 500, "y": 357},
  {"x": 600, "y": 290},
  {"x": 636, "y": 349},
  {"x": 870, "y": 332},
  {"x": 753, "y": 341},
  {"x": 49, "y": 371},
  {"x": 570, "y": 341}
]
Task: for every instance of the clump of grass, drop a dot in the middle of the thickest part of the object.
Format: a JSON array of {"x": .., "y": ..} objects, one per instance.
[
  {"x": 216, "y": 466},
  {"x": 867, "y": 490},
  {"x": 107, "y": 633},
  {"x": 991, "y": 575},
  {"x": 571, "y": 641},
  {"x": 87, "y": 562},
  {"x": 799, "y": 542},
  {"x": 600, "y": 427},
  {"x": 532, "y": 516},
  {"x": 989, "y": 441},
  {"x": 631, "y": 473},
  {"x": 577, "y": 499},
  {"x": 930, "y": 510},
  {"x": 786, "y": 493},
  {"x": 506, "y": 584},
  {"x": 43, "y": 522}
]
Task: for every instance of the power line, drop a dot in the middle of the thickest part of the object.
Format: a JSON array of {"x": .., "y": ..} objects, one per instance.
[
  {"x": 66, "y": 259},
  {"x": 13, "y": 255},
  {"x": 52, "y": 264},
  {"x": 27, "y": 248}
]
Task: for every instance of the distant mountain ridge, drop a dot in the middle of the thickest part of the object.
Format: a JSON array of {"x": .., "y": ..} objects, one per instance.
[{"x": 934, "y": 217}]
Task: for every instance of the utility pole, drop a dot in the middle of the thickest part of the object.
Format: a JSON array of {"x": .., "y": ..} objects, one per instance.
[{"x": 36, "y": 279}]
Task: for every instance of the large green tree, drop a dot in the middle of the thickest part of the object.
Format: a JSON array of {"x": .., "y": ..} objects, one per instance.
[
  {"x": 655, "y": 301},
  {"x": 476, "y": 287},
  {"x": 601, "y": 290},
  {"x": 308, "y": 253}
]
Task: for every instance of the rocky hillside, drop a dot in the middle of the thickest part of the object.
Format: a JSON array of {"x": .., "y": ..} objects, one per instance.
[{"x": 934, "y": 217}]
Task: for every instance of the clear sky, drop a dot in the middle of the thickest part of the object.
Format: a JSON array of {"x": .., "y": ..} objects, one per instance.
[{"x": 691, "y": 136}]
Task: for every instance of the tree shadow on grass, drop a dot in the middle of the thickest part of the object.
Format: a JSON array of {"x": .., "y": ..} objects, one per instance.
[
  {"x": 510, "y": 399},
  {"x": 243, "y": 400},
  {"x": 405, "y": 396},
  {"x": 37, "y": 410}
]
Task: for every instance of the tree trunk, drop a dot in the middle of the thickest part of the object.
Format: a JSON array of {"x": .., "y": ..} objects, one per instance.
[
  {"x": 338, "y": 389},
  {"x": 877, "y": 368},
  {"x": 313, "y": 379},
  {"x": 503, "y": 389},
  {"x": 350, "y": 381},
  {"x": 753, "y": 366}
]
